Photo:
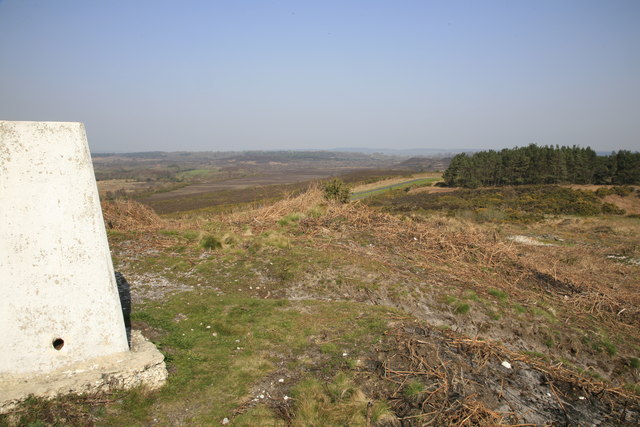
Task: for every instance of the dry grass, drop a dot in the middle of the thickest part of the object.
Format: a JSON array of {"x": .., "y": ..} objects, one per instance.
[
  {"x": 463, "y": 377},
  {"x": 574, "y": 281},
  {"x": 473, "y": 253},
  {"x": 127, "y": 215},
  {"x": 575, "y": 286}
]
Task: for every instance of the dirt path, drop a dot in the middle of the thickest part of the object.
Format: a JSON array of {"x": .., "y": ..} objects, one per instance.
[{"x": 370, "y": 189}]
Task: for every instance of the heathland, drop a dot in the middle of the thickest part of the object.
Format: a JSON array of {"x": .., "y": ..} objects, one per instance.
[{"x": 276, "y": 300}]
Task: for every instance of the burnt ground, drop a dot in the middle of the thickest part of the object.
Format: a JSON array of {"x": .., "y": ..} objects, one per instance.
[{"x": 481, "y": 383}]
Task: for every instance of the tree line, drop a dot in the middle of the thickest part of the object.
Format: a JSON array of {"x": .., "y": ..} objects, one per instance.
[{"x": 542, "y": 165}]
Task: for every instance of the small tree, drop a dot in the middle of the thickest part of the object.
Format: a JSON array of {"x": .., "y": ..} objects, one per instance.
[{"x": 337, "y": 190}]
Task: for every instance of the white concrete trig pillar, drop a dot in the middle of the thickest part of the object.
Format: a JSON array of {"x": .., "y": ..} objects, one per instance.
[{"x": 59, "y": 302}]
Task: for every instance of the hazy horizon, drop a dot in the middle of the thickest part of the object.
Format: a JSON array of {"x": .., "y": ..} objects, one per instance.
[{"x": 285, "y": 75}]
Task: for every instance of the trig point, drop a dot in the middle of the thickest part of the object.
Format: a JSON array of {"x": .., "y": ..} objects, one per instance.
[{"x": 59, "y": 306}]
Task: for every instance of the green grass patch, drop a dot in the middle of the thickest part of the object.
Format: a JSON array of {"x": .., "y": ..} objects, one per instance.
[
  {"x": 494, "y": 315},
  {"x": 634, "y": 388},
  {"x": 537, "y": 355},
  {"x": 462, "y": 308},
  {"x": 470, "y": 295},
  {"x": 449, "y": 299},
  {"x": 519, "y": 309},
  {"x": 540, "y": 312},
  {"x": 501, "y": 295},
  {"x": 292, "y": 218},
  {"x": 217, "y": 347},
  {"x": 413, "y": 390},
  {"x": 210, "y": 242},
  {"x": 609, "y": 347},
  {"x": 400, "y": 186}
]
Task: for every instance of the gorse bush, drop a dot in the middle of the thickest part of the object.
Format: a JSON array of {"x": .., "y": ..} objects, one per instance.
[
  {"x": 515, "y": 204},
  {"x": 619, "y": 190},
  {"x": 336, "y": 190}
]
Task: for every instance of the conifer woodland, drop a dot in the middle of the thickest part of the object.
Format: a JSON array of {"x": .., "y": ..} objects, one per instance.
[{"x": 543, "y": 165}]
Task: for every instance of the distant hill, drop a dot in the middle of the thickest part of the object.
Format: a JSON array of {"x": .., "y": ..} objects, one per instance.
[
  {"x": 426, "y": 152},
  {"x": 425, "y": 164}
]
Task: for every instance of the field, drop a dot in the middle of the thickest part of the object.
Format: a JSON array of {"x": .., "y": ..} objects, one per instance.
[
  {"x": 176, "y": 182},
  {"x": 517, "y": 306}
]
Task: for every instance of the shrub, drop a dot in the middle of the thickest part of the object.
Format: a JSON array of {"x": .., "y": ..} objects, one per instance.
[
  {"x": 618, "y": 190},
  {"x": 611, "y": 209},
  {"x": 337, "y": 190}
]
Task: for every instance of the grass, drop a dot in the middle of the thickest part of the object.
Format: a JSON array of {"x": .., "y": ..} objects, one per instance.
[
  {"x": 462, "y": 308},
  {"x": 414, "y": 390},
  {"x": 609, "y": 347},
  {"x": 537, "y": 355},
  {"x": 519, "y": 308},
  {"x": 501, "y": 295},
  {"x": 276, "y": 239},
  {"x": 292, "y": 218},
  {"x": 224, "y": 344},
  {"x": 210, "y": 242},
  {"x": 403, "y": 185},
  {"x": 540, "y": 312},
  {"x": 336, "y": 402},
  {"x": 470, "y": 295},
  {"x": 600, "y": 344},
  {"x": 288, "y": 290},
  {"x": 634, "y": 388}
]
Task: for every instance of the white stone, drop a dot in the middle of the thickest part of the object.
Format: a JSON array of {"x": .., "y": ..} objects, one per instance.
[
  {"x": 56, "y": 274},
  {"x": 506, "y": 364}
]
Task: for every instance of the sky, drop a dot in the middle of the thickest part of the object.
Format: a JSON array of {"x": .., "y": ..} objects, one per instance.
[{"x": 266, "y": 75}]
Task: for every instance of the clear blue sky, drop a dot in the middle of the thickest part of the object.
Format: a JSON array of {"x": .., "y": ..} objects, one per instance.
[{"x": 236, "y": 75}]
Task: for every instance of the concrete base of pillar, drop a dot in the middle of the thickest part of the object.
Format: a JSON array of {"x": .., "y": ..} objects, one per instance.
[{"x": 142, "y": 366}]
